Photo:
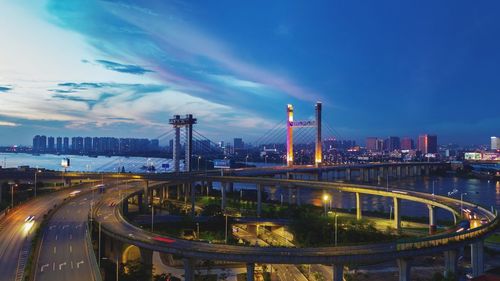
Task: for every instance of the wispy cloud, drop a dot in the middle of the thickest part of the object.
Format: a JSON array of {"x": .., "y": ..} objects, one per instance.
[
  {"x": 124, "y": 68},
  {"x": 8, "y": 124},
  {"x": 5, "y": 89}
]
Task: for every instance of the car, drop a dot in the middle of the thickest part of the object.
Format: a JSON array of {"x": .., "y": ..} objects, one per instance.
[{"x": 30, "y": 218}]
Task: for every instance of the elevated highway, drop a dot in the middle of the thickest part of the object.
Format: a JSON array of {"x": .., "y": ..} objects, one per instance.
[{"x": 124, "y": 235}]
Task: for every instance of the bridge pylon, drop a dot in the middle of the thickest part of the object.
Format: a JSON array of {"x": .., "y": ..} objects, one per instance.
[
  {"x": 177, "y": 122},
  {"x": 318, "y": 154}
]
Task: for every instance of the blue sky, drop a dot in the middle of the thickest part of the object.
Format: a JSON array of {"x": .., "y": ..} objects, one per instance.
[{"x": 122, "y": 68}]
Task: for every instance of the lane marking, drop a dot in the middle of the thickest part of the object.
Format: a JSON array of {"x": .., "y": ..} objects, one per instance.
[
  {"x": 54, "y": 249},
  {"x": 61, "y": 265},
  {"x": 71, "y": 264},
  {"x": 56, "y": 237},
  {"x": 44, "y": 266},
  {"x": 70, "y": 249},
  {"x": 53, "y": 266},
  {"x": 78, "y": 264}
]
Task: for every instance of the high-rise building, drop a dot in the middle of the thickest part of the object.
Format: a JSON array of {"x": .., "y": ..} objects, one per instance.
[
  {"x": 427, "y": 143},
  {"x": 372, "y": 143},
  {"x": 59, "y": 145},
  {"x": 495, "y": 143},
  {"x": 36, "y": 141},
  {"x": 87, "y": 144},
  {"x": 155, "y": 145},
  {"x": 51, "y": 145},
  {"x": 238, "y": 144},
  {"x": 394, "y": 143},
  {"x": 42, "y": 144},
  {"x": 66, "y": 145},
  {"x": 407, "y": 143}
]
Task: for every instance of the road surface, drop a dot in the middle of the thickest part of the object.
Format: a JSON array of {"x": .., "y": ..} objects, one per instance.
[
  {"x": 64, "y": 254},
  {"x": 16, "y": 235}
]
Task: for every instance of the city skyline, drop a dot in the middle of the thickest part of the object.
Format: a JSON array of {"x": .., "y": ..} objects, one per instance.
[{"x": 123, "y": 69}]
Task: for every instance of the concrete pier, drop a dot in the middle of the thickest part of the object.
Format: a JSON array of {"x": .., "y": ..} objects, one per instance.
[
  {"x": 338, "y": 272},
  {"x": 477, "y": 256},
  {"x": 250, "y": 271},
  {"x": 404, "y": 269},
  {"x": 450, "y": 262}
]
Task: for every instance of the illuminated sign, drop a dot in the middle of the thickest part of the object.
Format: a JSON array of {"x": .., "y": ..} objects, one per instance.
[
  {"x": 65, "y": 162},
  {"x": 222, "y": 163},
  {"x": 472, "y": 156},
  {"x": 308, "y": 123}
]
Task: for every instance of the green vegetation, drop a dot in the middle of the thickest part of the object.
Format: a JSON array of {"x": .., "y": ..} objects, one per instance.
[
  {"x": 495, "y": 238},
  {"x": 311, "y": 228}
]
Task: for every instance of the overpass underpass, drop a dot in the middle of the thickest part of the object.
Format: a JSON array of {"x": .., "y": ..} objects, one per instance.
[{"x": 120, "y": 233}]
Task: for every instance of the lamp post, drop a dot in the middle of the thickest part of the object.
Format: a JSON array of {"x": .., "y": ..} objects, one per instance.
[
  {"x": 462, "y": 201},
  {"x": 198, "y": 231},
  {"x": 246, "y": 161},
  {"x": 433, "y": 181},
  {"x": 36, "y": 173},
  {"x": 199, "y": 157},
  {"x": 265, "y": 159},
  {"x": 12, "y": 194},
  {"x": 325, "y": 201}
]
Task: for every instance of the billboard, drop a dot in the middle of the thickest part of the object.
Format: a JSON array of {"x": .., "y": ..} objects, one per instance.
[
  {"x": 222, "y": 163},
  {"x": 472, "y": 156},
  {"x": 65, "y": 162}
]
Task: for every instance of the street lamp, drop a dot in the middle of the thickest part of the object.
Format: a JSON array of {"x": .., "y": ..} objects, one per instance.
[
  {"x": 199, "y": 157},
  {"x": 461, "y": 201},
  {"x": 433, "y": 181},
  {"x": 225, "y": 234},
  {"x": 246, "y": 161},
  {"x": 198, "y": 231},
  {"x": 152, "y": 216},
  {"x": 265, "y": 159},
  {"x": 326, "y": 198},
  {"x": 36, "y": 173},
  {"x": 12, "y": 194}
]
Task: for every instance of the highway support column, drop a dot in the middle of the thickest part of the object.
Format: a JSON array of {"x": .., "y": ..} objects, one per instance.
[
  {"x": 450, "y": 262},
  {"x": 348, "y": 174},
  {"x": 147, "y": 261},
  {"x": 259, "y": 200},
  {"x": 432, "y": 219},
  {"x": 358, "y": 206},
  {"x": 338, "y": 272},
  {"x": 397, "y": 213},
  {"x": 188, "y": 269},
  {"x": 476, "y": 257},
  {"x": 404, "y": 268},
  {"x": 250, "y": 271}
]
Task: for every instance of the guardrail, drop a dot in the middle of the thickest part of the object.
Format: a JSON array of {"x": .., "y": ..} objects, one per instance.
[{"x": 90, "y": 252}]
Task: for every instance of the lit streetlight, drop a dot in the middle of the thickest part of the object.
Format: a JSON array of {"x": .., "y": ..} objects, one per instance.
[
  {"x": 246, "y": 161},
  {"x": 326, "y": 198},
  {"x": 199, "y": 157},
  {"x": 36, "y": 173}
]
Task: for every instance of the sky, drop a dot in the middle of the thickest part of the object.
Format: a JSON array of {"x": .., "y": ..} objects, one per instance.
[{"x": 123, "y": 68}]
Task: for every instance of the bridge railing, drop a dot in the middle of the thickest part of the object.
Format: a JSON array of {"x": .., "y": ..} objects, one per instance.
[
  {"x": 446, "y": 238},
  {"x": 94, "y": 265}
]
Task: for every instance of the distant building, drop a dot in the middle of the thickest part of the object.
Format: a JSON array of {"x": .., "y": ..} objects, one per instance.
[
  {"x": 407, "y": 143},
  {"x": 155, "y": 145},
  {"x": 372, "y": 143},
  {"x": 394, "y": 143},
  {"x": 65, "y": 144},
  {"x": 495, "y": 143},
  {"x": 238, "y": 144},
  {"x": 51, "y": 147},
  {"x": 427, "y": 143},
  {"x": 59, "y": 145}
]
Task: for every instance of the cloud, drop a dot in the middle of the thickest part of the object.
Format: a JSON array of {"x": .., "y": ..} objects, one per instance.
[
  {"x": 5, "y": 89},
  {"x": 8, "y": 124},
  {"x": 125, "y": 68}
]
